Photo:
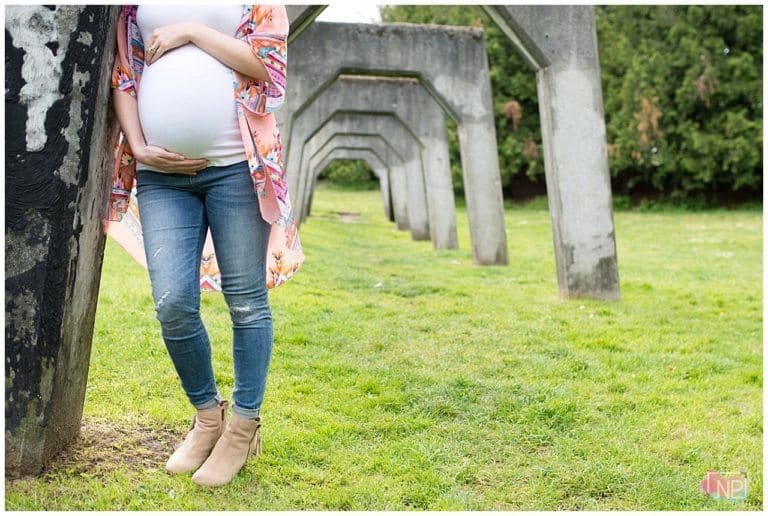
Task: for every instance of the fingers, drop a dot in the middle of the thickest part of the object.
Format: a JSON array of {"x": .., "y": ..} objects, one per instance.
[
  {"x": 170, "y": 155},
  {"x": 178, "y": 158},
  {"x": 157, "y": 54},
  {"x": 179, "y": 165},
  {"x": 189, "y": 163},
  {"x": 187, "y": 166},
  {"x": 152, "y": 50},
  {"x": 173, "y": 162},
  {"x": 148, "y": 54}
]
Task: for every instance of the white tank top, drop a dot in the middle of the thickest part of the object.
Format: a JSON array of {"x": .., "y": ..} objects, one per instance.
[{"x": 186, "y": 98}]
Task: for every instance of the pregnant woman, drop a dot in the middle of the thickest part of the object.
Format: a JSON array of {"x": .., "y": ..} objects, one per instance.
[{"x": 195, "y": 90}]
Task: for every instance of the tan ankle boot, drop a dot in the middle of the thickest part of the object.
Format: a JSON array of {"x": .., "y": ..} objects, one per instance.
[
  {"x": 207, "y": 427},
  {"x": 231, "y": 452}
]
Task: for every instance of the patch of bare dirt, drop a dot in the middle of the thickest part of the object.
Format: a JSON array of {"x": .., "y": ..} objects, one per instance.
[
  {"x": 348, "y": 216},
  {"x": 104, "y": 446}
]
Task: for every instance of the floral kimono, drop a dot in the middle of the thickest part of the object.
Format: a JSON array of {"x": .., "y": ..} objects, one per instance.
[{"x": 265, "y": 28}]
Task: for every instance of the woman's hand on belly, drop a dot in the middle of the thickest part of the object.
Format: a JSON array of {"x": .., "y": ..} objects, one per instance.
[
  {"x": 167, "y": 38},
  {"x": 168, "y": 161}
]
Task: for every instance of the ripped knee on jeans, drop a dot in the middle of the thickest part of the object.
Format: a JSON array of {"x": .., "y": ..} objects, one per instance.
[
  {"x": 161, "y": 301},
  {"x": 175, "y": 309},
  {"x": 245, "y": 314}
]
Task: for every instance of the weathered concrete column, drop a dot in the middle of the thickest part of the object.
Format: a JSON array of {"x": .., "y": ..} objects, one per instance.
[
  {"x": 344, "y": 147},
  {"x": 380, "y": 170},
  {"x": 402, "y": 142},
  {"x": 451, "y": 63},
  {"x": 407, "y": 100},
  {"x": 398, "y": 188},
  {"x": 397, "y": 183},
  {"x": 560, "y": 43},
  {"x": 59, "y": 132}
]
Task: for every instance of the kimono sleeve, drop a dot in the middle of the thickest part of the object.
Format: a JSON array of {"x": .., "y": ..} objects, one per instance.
[
  {"x": 122, "y": 76},
  {"x": 268, "y": 39}
]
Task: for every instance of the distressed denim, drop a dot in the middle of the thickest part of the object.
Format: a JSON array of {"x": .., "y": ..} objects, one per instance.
[{"x": 176, "y": 211}]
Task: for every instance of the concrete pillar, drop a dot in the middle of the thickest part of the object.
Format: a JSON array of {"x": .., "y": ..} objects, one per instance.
[
  {"x": 418, "y": 111},
  {"x": 374, "y": 162},
  {"x": 343, "y": 150},
  {"x": 560, "y": 43},
  {"x": 408, "y": 101},
  {"x": 59, "y": 135},
  {"x": 389, "y": 157},
  {"x": 397, "y": 183},
  {"x": 402, "y": 142},
  {"x": 451, "y": 63}
]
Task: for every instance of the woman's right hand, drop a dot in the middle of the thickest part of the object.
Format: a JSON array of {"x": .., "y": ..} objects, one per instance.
[{"x": 169, "y": 161}]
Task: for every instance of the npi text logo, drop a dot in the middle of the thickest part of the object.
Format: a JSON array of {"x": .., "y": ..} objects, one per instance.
[{"x": 730, "y": 485}]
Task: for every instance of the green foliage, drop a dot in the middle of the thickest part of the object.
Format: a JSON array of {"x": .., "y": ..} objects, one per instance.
[
  {"x": 682, "y": 89},
  {"x": 682, "y": 92},
  {"x": 350, "y": 174}
]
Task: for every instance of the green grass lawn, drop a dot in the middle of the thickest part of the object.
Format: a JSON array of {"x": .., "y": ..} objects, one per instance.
[{"x": 405, "y": 378}]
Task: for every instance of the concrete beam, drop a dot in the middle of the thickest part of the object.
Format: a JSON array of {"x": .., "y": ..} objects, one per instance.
[
  {"x": 300, "y": 17},
  {"x": 345, "y": 152},
  {"x": 409, "y": 101},
  {"x": 401, "y": 141},
  {"x": 451, "y": 63},
  {"x": 562, "y": 43}
]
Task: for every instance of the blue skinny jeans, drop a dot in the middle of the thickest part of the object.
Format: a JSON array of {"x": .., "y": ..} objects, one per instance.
[{"x": 176, "y": 212}]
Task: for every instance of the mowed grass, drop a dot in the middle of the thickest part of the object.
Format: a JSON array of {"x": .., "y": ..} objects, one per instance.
[{"x": 405, "y": 378}]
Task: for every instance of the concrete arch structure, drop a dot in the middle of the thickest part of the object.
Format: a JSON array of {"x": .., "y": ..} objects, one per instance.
[
  {"x": 560, "y": 44},
  {"x": 407, "y": 100},
  {"x": 451, "y": 63},
  {"x": 402, "y": 141},
  {"x": 388, "y": 156},
  {"x": 374, "y": 162},
  {"x": 383, "y": 147}
]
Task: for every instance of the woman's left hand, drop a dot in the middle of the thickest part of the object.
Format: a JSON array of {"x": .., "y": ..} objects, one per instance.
[{"x": 167, "y": 38}]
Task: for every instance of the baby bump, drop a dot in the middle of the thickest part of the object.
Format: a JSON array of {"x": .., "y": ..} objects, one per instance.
[{"x": 186, "y": 104}]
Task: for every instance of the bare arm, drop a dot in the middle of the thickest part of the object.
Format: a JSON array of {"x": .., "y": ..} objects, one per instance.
[
  {"x": 127, "y": 110},
  {"x": 231, "y": 51}
]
